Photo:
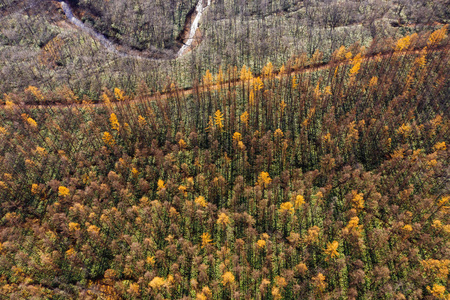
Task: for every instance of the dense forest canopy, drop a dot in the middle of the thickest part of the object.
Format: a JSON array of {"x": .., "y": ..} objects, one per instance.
[{"x": 300, "y": 150}]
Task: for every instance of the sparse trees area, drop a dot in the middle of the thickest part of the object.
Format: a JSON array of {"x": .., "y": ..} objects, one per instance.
[
  {"x": 147, "y": 25},
  {"x": 232, "y": 33}
]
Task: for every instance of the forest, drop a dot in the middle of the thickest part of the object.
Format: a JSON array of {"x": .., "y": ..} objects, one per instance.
[{"x": 308, "y": 160}]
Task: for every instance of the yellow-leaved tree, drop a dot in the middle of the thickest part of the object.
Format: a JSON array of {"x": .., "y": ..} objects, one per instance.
[
  {"x": 264, "y": 179},
  {"x": 244, "y": 118},
  {"x": 119, "y": 94},
  {"x": 35, "y": 92},
  {"x": 403, "y": 43},
  {"x": 218, "y": 119},
  {"x": 114, "y": 122},
  {"x": 267, "y": 70},
  {"x": 331, "y": 250},
  {"x": 258, "y": 84},
  {"x": 246, "y": 74},
  {"x": 437, "y": 36},
  {"x": 208, "y": 78}
]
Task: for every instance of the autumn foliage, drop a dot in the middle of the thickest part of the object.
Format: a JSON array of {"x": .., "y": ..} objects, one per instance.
[{"x": 329, "y": 182}]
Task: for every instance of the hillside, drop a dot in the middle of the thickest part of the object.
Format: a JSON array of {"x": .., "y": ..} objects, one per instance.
[
  {"x": 232, "y": 33},
  {"x": 260, "y": 173}
]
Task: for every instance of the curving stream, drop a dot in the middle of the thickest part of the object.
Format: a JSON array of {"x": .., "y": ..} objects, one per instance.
[{"x": 199, "y": 9}]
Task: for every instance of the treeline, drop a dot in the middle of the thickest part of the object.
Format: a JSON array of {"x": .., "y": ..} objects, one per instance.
[{"x": 326, "y": 183}]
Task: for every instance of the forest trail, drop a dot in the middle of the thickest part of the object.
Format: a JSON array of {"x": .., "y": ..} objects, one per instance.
[
  {"x": 179, "y": 92},
  {"x": 199, "y": 10}
]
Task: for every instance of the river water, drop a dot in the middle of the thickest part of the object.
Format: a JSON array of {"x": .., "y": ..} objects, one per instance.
[{"x": 200, "y": 9}]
